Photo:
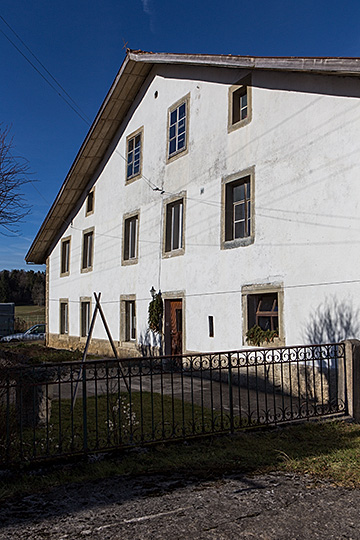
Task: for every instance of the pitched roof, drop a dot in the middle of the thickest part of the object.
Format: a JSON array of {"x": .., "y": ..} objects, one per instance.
[{"x": 132, "y": 74}]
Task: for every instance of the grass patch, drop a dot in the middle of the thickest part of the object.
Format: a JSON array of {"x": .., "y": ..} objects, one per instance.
[
  {"x": 324, "y": 450},
  {"x": 30, "y": 311}
]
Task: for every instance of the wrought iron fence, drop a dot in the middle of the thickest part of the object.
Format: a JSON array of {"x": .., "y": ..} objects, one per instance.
[{"x": 52, "y": 410}]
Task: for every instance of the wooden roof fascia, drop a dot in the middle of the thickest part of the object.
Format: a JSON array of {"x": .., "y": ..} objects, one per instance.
[{"x": 329, "y": 65}]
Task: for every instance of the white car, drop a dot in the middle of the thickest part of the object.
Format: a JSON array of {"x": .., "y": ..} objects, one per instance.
[{"x": 36, "y": 332}]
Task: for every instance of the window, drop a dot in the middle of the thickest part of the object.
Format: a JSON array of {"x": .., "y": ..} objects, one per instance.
[
  {"x": 90, "y": 202},
  {"x": 84, "y": 317},
  {"x": 174, "y": 226},
  {"x": 263, "y": 311},
  {"x": 130, "y": 235},
  {"x": 211, "y": 326},
  {"x": 177, "y": 127},
  {"x": 239, "y": 104},
  {"x": 238, "y": 201},
  {"x": 65, "y": 257},
  {"x": 263, "y": 306},
  {"x": 88, "y": 248},
  {"x": 130, "y": 320},
  {"x": 64, "y": 317},
  {"x": 134, "y": 154},
  {"x": 238, "y": 209}
]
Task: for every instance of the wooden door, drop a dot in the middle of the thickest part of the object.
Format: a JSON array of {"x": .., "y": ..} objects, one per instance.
[{"x": 173, "y": 327}]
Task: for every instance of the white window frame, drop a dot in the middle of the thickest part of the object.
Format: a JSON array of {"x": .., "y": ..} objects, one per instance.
[
  {"x": 130, "y": 155},
  {"x": 174, "y": 130}
]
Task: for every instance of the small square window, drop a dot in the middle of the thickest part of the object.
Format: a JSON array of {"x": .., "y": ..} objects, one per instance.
[
  {"x": 64, "y": 317},
  {"x": 263, "y": 311},
  {"x": 65, "y": 257},
  {"x": 174, "y": 226},
  {"x": 131, "y": 238},
  {"x": 263, "y": 306},
  {"x": 84, "y": 317},
  {"x": 134, "y": 155},
  {"x": 87, "y": 253},
  {"x": 178, "y": 127}
]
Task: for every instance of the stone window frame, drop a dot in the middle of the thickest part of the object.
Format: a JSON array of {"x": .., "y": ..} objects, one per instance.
[
  {"x": 258, "y": 289},
  {"x": 126, "y": 217},
  {"x": 83, "y": 300},
  {"x": 63, "y": 301},
  {"x": 232, "y": 179},
  {"x": 179, "y": 153},
  {"x": 140, "y": 131},
  {"x": 66, "y": 240},
  {"x": 244, "y": 83},
  {"x": 166, "y": 203},
  {"x": 92, "y": 195},
  {"x": 124, "y": 299},
  {"x": 89, "y": 268}
]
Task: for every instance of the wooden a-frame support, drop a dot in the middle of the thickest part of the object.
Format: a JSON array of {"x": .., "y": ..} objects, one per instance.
[{"x": 97, "y": 309}]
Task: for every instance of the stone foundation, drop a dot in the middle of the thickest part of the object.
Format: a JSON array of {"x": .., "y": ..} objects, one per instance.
[{"x": 99, "y": 347}]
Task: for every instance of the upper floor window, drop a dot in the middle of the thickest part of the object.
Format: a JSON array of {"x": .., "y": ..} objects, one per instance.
[
  {"x": 130, "y": 235},
  {"x": 239, "y": 104},
  {"x": 90, "y": 201},
  {"x": 174, "y": 226},
  {"x": 65, "y": 257},
  {"x": 238, "y": 200},
  {"x": 178, "y": 127},
  {"x": 134, "y": 155},
  {"x": 87, "y": 250}
]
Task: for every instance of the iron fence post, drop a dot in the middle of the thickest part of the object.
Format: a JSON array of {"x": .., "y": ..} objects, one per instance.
[
  {"x": 231, "y": 407},
  {"x": 84, "y": 408}
]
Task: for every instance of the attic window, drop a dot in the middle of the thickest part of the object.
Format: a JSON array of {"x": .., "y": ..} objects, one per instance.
[
  {"x": 178, "y": 127},
  {"x": 90, "y": 203},
  {"x": 134, "y": 155},
  {"x": 239, "y": 104}
]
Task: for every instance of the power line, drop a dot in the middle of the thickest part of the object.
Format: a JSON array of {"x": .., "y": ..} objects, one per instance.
[{"x": 45, "y": 78}]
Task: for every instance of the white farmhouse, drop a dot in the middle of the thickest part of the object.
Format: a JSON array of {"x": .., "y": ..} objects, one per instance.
[{"x": 231, "y": 184}]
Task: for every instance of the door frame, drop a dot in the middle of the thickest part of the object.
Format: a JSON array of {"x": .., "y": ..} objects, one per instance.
[{"x": 175, "y": 295}]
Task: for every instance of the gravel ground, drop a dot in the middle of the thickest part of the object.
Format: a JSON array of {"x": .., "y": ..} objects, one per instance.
[{"x": 272, "y": 506}]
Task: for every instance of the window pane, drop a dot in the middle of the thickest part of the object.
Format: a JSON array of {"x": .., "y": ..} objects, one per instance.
[
  {"x": 172, "y": 147},
  {"x": 264, "y": 323},
  {"x": 130, "y": 145},
  {"x": 182, "y": 110},
  {"x": 239, "y": 229},
  {"x": 173, "y": 117},
  {"x": 239, "y": 211},
  {"x": 239, "y": 193}
]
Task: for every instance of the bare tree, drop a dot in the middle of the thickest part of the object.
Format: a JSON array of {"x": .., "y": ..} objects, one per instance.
[{"x": 14, "y": 173}]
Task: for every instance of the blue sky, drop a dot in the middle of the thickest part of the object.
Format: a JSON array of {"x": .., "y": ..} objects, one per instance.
[{"x": 81, "y": 43}]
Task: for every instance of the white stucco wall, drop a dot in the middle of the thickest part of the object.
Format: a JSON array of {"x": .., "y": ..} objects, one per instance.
[{"x": 304, "y": 146}]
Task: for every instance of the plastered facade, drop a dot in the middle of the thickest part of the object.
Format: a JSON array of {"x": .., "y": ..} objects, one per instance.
[{"x": 302, "y": 148}]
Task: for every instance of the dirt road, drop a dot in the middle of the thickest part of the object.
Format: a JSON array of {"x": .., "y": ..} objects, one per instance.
[{"x": 273, "y": 506}]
